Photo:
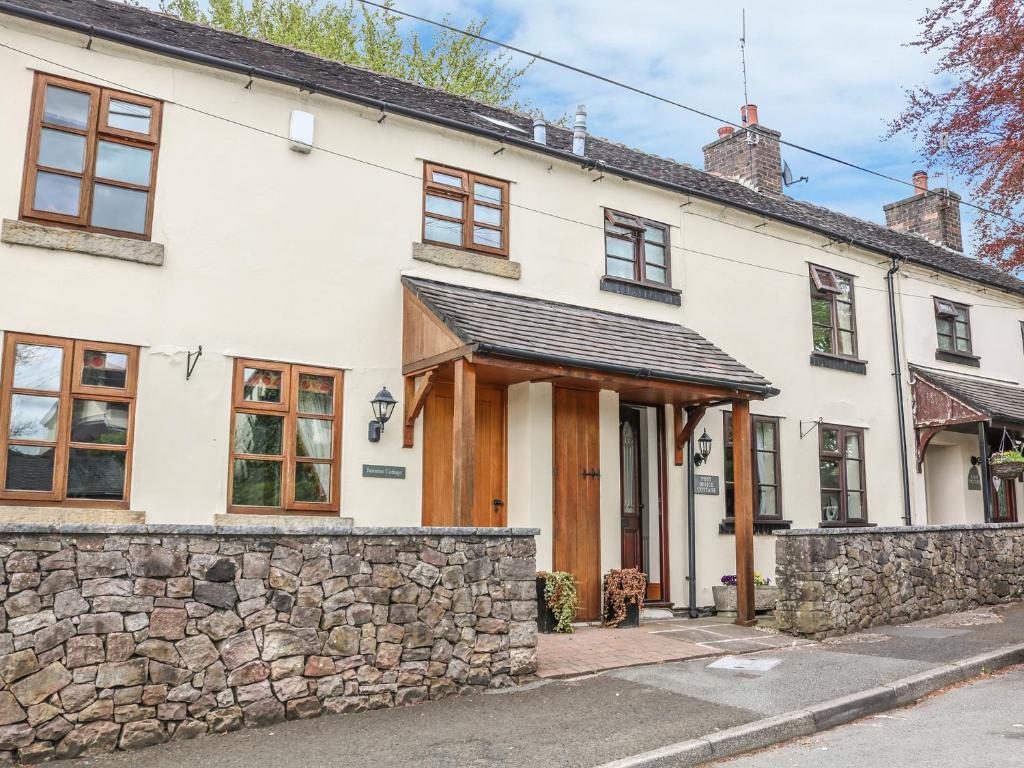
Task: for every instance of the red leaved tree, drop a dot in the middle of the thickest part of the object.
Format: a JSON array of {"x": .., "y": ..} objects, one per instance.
[{"x": 974, "y": 122}]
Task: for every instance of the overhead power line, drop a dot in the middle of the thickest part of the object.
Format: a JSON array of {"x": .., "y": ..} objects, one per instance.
[{"x": 666, "y": 100}]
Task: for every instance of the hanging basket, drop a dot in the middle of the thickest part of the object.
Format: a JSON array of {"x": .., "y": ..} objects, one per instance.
[{"x": 1008, "y": 468}]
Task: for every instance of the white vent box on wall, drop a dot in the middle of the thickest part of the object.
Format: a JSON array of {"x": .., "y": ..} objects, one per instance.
[{"x": 300, "y": 131}]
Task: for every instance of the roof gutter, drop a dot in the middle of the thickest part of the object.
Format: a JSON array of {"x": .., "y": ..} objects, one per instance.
[{"x": 217, "y": 62}]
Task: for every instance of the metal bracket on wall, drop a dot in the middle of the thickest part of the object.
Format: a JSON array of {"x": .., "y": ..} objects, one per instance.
[
  {"x": 193, "y": 358},
  {"x": 814, "y": 424}
]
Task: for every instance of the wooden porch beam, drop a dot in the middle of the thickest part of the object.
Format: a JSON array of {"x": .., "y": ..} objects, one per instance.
[
  {"x": 464, "y": 442},
  {"x": 684, "y": 430},
  {"x": 415, "y": 399},
  {"x": 744, "y": 513},
  {"x": 420, "y": 366}
]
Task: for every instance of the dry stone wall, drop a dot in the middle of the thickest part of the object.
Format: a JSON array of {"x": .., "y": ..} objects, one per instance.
[
  {"x": 835, "y": 581},
  {"x": 129, "y": 636}
]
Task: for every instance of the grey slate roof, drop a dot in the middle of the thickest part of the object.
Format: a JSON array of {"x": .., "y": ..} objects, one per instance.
[
  {"x": 1000, "y": 401},
  {"x": 245, "y": 52},
  {"x": 526, "y": 328}
]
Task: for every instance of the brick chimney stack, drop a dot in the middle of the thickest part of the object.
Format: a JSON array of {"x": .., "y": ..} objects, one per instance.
[
  {"x": 934, "y": 216},
  {"x": 750, "y": 155}
]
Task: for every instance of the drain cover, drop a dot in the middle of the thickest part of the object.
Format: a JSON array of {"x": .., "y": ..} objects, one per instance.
[{"x": 745, "y": 663}]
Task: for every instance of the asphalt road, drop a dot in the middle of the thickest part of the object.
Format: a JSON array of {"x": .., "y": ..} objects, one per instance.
[{"x": 976, "y": 725}]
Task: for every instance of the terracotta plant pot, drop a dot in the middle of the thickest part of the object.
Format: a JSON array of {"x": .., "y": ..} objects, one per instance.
[{"x": 725, "y": 599}]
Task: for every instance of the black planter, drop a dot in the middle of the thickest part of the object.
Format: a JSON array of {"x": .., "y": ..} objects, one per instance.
[
  {"x": 632, "y": 616},
  {"x": 546, "y": 621}
]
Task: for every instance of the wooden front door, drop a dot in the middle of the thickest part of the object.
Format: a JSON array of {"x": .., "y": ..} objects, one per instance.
[
  {"x": 632, "y": 506},
  {"x": 490, "y": 478},
  {"x": 577, "y": 495}
]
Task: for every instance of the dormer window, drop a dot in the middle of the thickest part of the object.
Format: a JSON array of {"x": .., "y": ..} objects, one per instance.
[{"x": 636, "y": 249}]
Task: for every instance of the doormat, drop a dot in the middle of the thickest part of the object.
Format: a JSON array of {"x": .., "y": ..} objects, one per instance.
[{"x": 745, "y": 663}]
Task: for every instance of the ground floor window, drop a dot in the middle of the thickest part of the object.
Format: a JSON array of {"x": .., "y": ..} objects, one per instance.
[
  {"x": 766, "y": 469},
  {"x": 67, "y": 410},
  {"x": 285, "y": 438},
  {"x": 841, "y": 471},
  {"x": 1004, "y": 500}
]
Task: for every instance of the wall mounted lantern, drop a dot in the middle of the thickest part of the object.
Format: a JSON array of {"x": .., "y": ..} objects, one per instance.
[
  {"x": 382, "y": 404},
  {"x": 703, "y": 449}
]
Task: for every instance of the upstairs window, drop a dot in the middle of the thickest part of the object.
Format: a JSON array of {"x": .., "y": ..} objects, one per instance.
[
  {"x": 635, "y": 249},
  {"x": 953, "y": 326},
  {"x": 766, "y": 466},
  {"x": 92, "y": 156},
  {"x": 841, "y": 473},
  {"x": 465, "y": 210},
  {"x": 66, "y": 416},
  {"x": 832, "y": 312}
]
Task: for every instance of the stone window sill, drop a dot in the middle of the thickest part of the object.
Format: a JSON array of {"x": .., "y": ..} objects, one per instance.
[
  {"x": 959, "y": 358},
  {"x": 15, "y": 514},
  {"x": 657, "y": 293},
  {"x": 468, "y": 260},
  {"x": 761, "y": 527},
  {"x": 75, "y": 241},
  {"x": 836, "y": 363}
]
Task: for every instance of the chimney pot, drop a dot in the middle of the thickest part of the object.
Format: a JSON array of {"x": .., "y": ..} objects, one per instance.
[
  {"x": 749, "y": 114},
  {"x": 920, "y": 182},
  {"x": 540, "y": 128},
  {"x": 579, "y": 131},
  {"x": 725, "y": 130}
]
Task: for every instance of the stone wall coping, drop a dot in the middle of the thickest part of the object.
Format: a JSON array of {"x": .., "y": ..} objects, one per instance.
[
  {"x": 897, "y": 529},
  {"x": 314, "y": 529}
]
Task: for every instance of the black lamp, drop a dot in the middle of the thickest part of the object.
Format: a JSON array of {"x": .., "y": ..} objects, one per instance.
[
  {"x": 703, "y": 449},
  {"x": 382, "y": 404}
]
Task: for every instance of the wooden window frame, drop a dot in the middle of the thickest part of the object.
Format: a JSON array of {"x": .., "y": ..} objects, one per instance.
[
  {"x": 71, "y": 389},
  {"x": 466, "y": 196},
  {"x": 638, "y": 225},
  {"x": 1011, "y": 502},
  {"x": 288, "y": 409},
  {"x": 953, "y": 317},
  {"x": 96, "y": 131},
  {"x": 842, "y": 519},
  {"x": 825, "y": 286},
  {"x": 727, "y": 445}
]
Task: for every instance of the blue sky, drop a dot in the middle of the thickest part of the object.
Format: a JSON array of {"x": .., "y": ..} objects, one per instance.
[{"x": 827, "y": 75}]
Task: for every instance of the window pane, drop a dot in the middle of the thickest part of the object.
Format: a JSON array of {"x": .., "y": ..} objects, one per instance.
[
  {"x": 127, "y": 116},
  {"x": 58, "y": 149},
  {"x": 766, "y": 506},
  {"x": 654, "y": 254},
  {"x": 316, "y": 394},
  {"x": 961, "y": 329},
  {"x": 29, "y": 468},
  {"x": 944, "y": 325},
  {"x": 256, "y": 483},
  {"x": 487, "y": 192},
  {"x": 33, "y": 417},
  {"x": 844, "y": 285},
  {"x": 66, "y": 107},
  {"x": 313, "y": 482},
  {"x": 444, "y": 206},
  {"x": 829, "y": 506},
  {"x": 261, "y": 385},
  {"x": 259, "y": 434},
  {"x": 446, "y": 178},
  {"x": 119, "y": 208},
  {"x": 822, "y": 339},
  {"x": 961, "y": 314},
  {"x": 619, "y": 268},
  {"x": 657, "y": 274},
  {"x": 963, "y": 345},
  {"x": 57, "y": 194},
  {"x": 946, "y": 343},
  {"x": 821, "y": 312},
  {"x": 37, "y": 367},
  {"x": 829, "y": 473},
  {"x": 830, "y": 441},
  {"x": 654, "y": 234},
  {"x": 846, "y": 343},
  {"x": 313, "y": 438},
  {"x": 764, "y": 432},
  {"x": 491, "y": 238},
  {"x": 96, "y": 474},
  {"x": 766, "y": 467},
  {"x": 615, "y": 246},
  {"x": 485, "y": 215},
  {"x": 853, "y": 475},
  {"x": 443, "y": 231},
  {"x": 619, "y": 230},
  {"x": 97, "y": 421},
  {"x": 855, "y": 506},
  {"x": 844, "y": 315},
  {"x": 104, "y": 369},
  {"x": 853, "y": 446},
  {"x": 123, "y": 163}
]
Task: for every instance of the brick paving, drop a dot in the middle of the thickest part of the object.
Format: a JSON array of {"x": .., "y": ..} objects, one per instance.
[{"x": 595, "y": 648}]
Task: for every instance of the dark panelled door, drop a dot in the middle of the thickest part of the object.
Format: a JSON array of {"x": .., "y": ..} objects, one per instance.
[
  {"x": 632, "y": 494},
  {"x": 577, "y": 495}
]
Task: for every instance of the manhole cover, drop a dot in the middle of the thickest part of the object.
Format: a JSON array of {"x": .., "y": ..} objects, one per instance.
[{"x": 745, "y": 663}]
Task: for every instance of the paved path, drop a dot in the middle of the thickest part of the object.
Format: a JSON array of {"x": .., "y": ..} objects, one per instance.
[
  {"x": 588, "y": 721},
  {"x": 976, "y": 725}
]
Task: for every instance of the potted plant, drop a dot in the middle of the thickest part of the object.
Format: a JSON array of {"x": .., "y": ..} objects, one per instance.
[
  {"x": 624, "y": 592},
  {"x": 765, "y": 594},
  {"x": 556, "y": 601},
  {"x": 1006, "y": 465}
]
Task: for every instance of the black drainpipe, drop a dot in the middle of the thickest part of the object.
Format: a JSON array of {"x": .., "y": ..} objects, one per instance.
[
  {"x": 897, "y": 375},
  {"x": 691, "y": 534}
]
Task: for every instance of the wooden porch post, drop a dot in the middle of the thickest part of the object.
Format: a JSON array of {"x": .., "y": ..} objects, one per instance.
[
  {"x": 464, "y": 442},
  {"x": 744, "y": 512}
]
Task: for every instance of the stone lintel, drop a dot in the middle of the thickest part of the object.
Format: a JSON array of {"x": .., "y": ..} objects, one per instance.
[
  {"x": 75, "y": 241},
  {"x": 468, "y": 260}
]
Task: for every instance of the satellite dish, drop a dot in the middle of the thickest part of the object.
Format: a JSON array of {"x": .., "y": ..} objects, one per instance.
[{"x": 787, "y": 175}]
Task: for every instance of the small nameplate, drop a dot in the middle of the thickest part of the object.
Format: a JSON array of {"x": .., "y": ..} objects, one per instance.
[
  {"x": 705, "y": 485},
  {"x": 382, "y": 470}
]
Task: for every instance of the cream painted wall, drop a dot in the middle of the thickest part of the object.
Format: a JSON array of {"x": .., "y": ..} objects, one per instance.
[{"x": 277, "y": 255}]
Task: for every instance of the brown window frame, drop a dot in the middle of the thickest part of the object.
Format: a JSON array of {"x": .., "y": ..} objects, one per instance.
[
  {"x": 288, "y": 409},
  {"x": 72, "y": 388},
  {"x": 842, "y": 516},
  {"x": 96, "y": 131},
  {"x": 465, "y": 195},
  {"x": 826, "y": 286},
  {"x": 727, "y": 446},
  {"x": 638, "y": 226},
  {"x": 1009, "y": 514},
  {"x": 953, "y": 316}
]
